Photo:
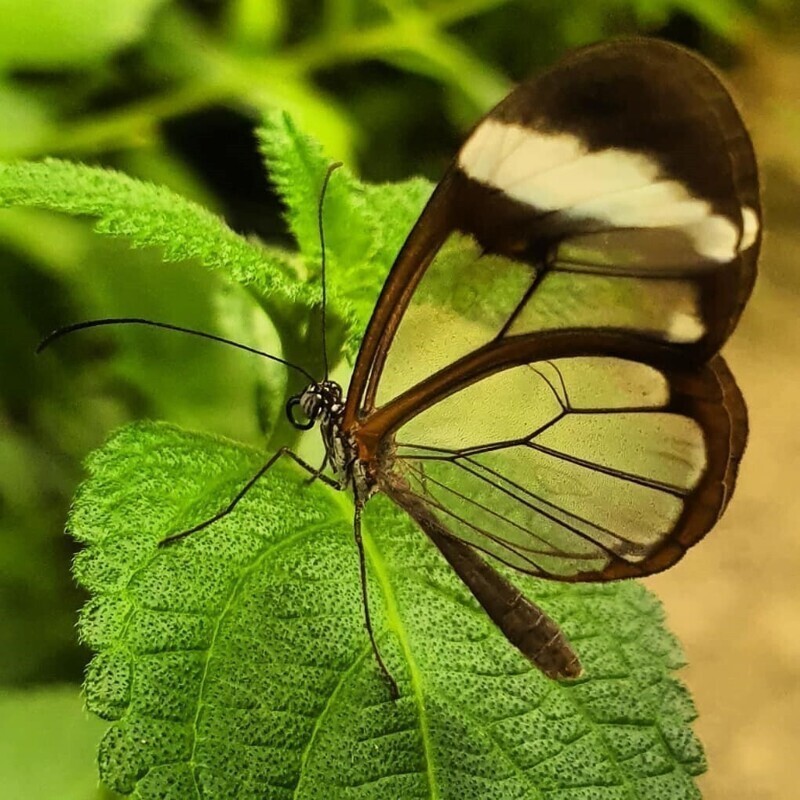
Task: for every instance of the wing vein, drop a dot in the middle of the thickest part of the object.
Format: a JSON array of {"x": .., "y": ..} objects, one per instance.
[{"x": 628, "y": 477}]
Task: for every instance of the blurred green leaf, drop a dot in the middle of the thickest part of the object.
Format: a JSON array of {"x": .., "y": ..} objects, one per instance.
[
  {"x": 236, "y": 662},
  {"x": 242, "y": 319},
  {"x": 58, "y": 243},
  {"x": 47, "y": 746},
  {"x": 255, "y": 25},
  {"x": 68, "y": 33},
  {"x": 37, "y": 603},
  {"x": 23, "y": 117},
  {"x": 449, "y": 61}
]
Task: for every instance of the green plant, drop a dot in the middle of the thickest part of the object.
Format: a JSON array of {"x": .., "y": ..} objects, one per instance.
[
  {"x": 236, "y": 664},
  {"x": 168, "y": 92}
]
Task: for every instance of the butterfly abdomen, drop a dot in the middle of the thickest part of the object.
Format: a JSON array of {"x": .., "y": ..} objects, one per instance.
[{"x": 523, "y": 623}]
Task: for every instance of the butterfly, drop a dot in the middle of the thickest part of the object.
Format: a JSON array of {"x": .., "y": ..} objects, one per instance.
[
  {"x": 539, "y": 382},
  {"x": 540, "y": 378}
]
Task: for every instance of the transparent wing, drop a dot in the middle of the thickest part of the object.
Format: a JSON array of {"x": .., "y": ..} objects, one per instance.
[
  {"x": 582, "y": 468},
  {"x": 618, "y": 191}
]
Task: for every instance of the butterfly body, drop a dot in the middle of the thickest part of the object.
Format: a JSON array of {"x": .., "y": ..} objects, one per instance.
[{"x": 322, "y": 403}]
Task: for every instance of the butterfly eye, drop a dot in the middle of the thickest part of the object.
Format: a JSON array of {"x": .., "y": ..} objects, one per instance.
[{"x": 302, "y": 425}]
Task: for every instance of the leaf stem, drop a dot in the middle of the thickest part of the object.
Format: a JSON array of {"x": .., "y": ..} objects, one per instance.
[
  {"x": 414, "y": 35},
  {"x": 128, "y": 125}
]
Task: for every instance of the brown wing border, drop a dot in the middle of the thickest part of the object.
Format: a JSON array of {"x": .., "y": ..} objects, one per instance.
[
  {"x": 707, "y": 393},
  {"x": 457, "y": 199}
]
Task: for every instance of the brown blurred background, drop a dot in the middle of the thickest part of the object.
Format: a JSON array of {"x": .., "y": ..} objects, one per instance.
[{"x": 735, "y": 601}]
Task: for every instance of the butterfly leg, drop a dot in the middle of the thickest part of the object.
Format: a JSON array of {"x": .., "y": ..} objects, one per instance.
[
  {"x": 362, "y": 562},
  {"x": 284, "y": 451},
  {"x": 317, "y": 473}
]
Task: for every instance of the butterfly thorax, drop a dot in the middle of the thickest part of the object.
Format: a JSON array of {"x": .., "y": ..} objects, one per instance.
[{"x": 323, "y": 403}]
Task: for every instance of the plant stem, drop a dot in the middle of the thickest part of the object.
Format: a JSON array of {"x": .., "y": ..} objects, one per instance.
[{"x": 414, "y": 35}]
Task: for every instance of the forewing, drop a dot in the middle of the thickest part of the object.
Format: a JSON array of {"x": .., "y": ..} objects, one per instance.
[
  {"x": 617, "y": 191},
  {"x": 578, "y": 468}
]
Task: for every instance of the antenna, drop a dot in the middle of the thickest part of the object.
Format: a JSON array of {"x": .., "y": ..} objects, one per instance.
[
  {"x": 331, "y": 169},
  {"x": 96, "y": 323}
]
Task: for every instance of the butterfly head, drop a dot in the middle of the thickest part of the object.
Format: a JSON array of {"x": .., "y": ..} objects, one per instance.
[{"x": 318, "y": 402}]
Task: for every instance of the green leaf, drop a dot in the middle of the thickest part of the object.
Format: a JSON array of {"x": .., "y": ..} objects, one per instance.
[
  {"x": 149, "y": 215},
  {"x": 23, "y": 117},
  {"x": 235, "y": 663},
  {"x": 47, "y": 745},
  {"x": 297, "y": 167},
  {"x": 318, "y": 113},
  {"x": 364, "y": 225},
  {"x": 69, "y": 33}
]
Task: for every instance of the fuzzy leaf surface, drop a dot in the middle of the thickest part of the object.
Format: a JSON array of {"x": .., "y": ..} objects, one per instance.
[
  {"x": 235, "y": 663},
  {"x": 149, "y": 215},
  {"x": 364, "y": 225}
]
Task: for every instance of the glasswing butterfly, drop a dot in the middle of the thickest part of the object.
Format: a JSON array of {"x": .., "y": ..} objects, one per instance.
[
  {"x": 540, "y": 378},
  {"x": 556, "y": 399}
]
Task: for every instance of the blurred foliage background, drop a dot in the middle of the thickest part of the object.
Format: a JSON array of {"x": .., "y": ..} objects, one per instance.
[{"x": 170, "y": 92}]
